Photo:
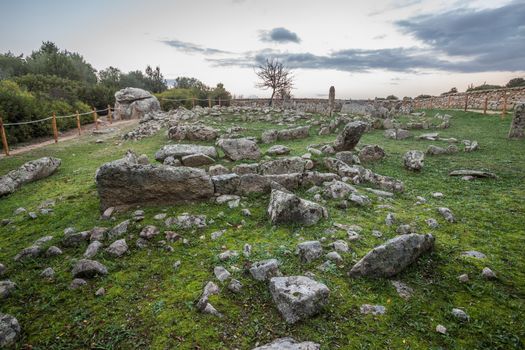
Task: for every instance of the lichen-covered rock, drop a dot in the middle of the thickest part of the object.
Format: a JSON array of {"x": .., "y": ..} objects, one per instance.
[
  {"x": 197, "y": 159},
  {"x": 350, "y": 136},
  {"x": 300, "y": 132},
  {"x": 277, "y": 150},
  {"x": 298, "y": 297},
  {"x": 283, "y": 166},
  {"x": 265, "y": 269},
  {"x": 517, "y": 127},
  {"x": 309, "y": 251},
  {"x": 337, "y": 189},
  {"x": 9, "y": 330},
  {"x": 414, "y": 160},
  {"x": 125, "y": 183},
  {"x": 6, "y": 287},
  {"x": 348, "y": 157},
  {"x": 371, "y": 153},
  {"x": 239, "y": 149},
  {"x": 393, "y": 256},
  {"x": 289, "y": 344},
  {"x": 31, "y": 171},
  {"x": 287, "y": 208},
  {"x": 397, "y": 134},
  {"x": 194, "y": 132}
]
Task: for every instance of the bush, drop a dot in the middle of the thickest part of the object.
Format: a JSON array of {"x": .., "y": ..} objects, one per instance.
[{"x": 176, "y": 94}]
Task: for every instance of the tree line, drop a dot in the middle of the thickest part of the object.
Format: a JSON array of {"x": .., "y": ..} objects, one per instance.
[{"x": 51, "y": 80}]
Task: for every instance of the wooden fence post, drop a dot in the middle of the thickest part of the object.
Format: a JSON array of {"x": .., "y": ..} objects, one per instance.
[
  {"x": 209, "y": 102},
  {"x": 485, "y": 104},
  {"x": 4, "y": 138},
  {"x": 54, "y": 125},
  {"x": 448, "y": 102},
  {"x": 466, "y": 101},
  {"x": 78, "y": 125},
  {"x": 95, "y": 118},
  {"x": 110, "y": 117},
  {"x": 504, "y": 110}
]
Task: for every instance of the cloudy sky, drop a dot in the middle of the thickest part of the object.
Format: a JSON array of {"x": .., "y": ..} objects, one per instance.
[{"x": 364, "y": 48}]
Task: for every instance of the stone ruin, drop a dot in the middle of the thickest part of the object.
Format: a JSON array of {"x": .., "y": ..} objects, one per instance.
[{"x": 135, "y": 103}]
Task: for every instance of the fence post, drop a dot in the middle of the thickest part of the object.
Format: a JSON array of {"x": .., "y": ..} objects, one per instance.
[
  {"x": 466, "y": 101},
  {"x": 209, "y": 102},
  {"x": 504, "y": 110},
  {"x": 485, "y": 105},
  {"x": 78, "y": 125},
  {"x": 448, "y": 102},
  {"x": 54, "y": 125},
  {"x": 95, "y": 118},
  {"x": 4, "y": 138},
  {"x": 110, "y": 117}
]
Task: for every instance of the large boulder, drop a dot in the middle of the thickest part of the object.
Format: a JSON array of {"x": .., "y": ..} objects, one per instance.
[
  {"x": 350, "y": 136},
  {"x": 517, "y": 127},
  {"x": 135, "y": 103},
  {"x": 124, "y": 183},
  {"x": 289, "y": 344},
  {"x": 181, "y": 150},
  {"x": 31, "y": 171},
  {"x": 239, "y": 149},
  {"x": 298, "y": 297},
  {"x": 195, "y": 132},
  {"x": 287, "y": 208},
  {"x": 393, "y": 256}
]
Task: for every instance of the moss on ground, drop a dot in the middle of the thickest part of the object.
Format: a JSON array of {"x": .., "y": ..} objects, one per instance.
[{"x": 150, "y": 305}]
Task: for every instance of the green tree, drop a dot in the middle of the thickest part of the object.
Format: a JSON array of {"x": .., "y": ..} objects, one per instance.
[
  {"x": 155, "y": 80},
  {"x": 515, "y": 82}
]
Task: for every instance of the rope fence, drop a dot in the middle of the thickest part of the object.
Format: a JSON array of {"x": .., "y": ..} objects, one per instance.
[{"x": 54, "y": 128}]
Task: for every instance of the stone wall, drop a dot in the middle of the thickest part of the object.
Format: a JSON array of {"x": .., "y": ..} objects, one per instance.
[
  {"x": 492, "y": 100},
  {"x": 313, "y": 105}
]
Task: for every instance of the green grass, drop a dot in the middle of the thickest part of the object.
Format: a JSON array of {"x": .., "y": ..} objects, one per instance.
[{"x": 150, "y": 305}]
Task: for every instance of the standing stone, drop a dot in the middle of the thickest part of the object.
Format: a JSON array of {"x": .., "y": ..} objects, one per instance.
[
  {"x": 518, "y": 122},
  {"x": 331, "y": 99},
  {"x": 348, "y": 139},
  {"x": 298, "y": 297}
]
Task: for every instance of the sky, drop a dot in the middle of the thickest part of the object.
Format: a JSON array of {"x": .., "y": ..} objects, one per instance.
[{"x": 365, "y": 49}]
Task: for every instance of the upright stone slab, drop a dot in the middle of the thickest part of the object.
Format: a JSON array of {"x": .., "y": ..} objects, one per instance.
[
  {"x": 517, "y": 126},
  {"x": 350, "y": 136}
]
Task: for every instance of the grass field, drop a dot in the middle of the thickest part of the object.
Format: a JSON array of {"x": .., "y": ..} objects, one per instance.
[{"x": 150, "y": 305}]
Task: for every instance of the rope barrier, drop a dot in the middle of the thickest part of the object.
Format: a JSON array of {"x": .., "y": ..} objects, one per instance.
[{"x": 57, "y": 117}]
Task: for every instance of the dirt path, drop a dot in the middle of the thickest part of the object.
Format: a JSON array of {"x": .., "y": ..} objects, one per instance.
[{"x": 87, "y": 130}]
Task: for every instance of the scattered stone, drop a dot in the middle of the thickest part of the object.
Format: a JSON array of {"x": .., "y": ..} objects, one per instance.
[
  {"x": 53, "y": 251},
  {"x": 360, "y": 200},
  {"x": 9, "y": 330},
  {"x": 393, "y": 256},
  {"x": 375, "y": 310},
  {"x": 309, "y": 251},
  {"x": 217, "y": 234},
  {"x": 280, "y": 166},
  {"x": 19, "y": 211},
  {"x": 488, "y": 273},
  {"x": 278, "y": 150},
  {"x": 298, "y": 297},
  {"x": 340, "y": 246},
  {"x": 397, "y": 134},
  {"x": 6, "y": 288},
  {"x": 402, "y": 289},
  {"x": 414, "y": 160},
  {"x": 334, "y": 256},
  {"x": 149, "y": 232},
  {"x": 218, "y": 170},
  {"x": 265, "y": 269},
  {"x": 288, "y": 208},
  {"x": 246, "y": 212},
  {"x": 196, "y": 160},
  {"x": 88, "y": 268},
  {"x": 98, "y": 234},
  {"x": 390, "y": 219},
  {"x": 73, "y": 239},
  {"x": 117, "y": 248},
  {"x": 119, "y": 230},
  {"x": 29, "y": 253},
  {"x": 187, "y": 221},
  {"x": 247, "y": 250},
  {"x": 474, "y": 254},
  {"x": 441, "y": 329},
  {"x": 289, "y": 344},
  {"x": 77, "y": 283},
  {"x": 371, "y": 153},
  {"x": 377, "y": 234},
  {"x": 463, "y": 278},
  {"x": 337, "y": 189},
  {"x": 460, "y": 315},
  {"x": 195, "y": 132},
  {"x": 348, "y": 157},
  {"x": 48, "y": 273},
  {"x": 228, "y": 255},
  {"x": 235, "y": 286},
  {"x": 432, "y": 223},
  {"x": 106, "y": 215},
  {"x": 31, "y": 171},
  {"x": 404, "y": 229},
  {"x": 176, "y": 265},
  {"x": 447, "y": 214},
  {"x": 92, "y": 249},
  {"x": 471, "y": 146},
  {"x": 438, "y": 195},
  {"x": 100, "y": 292},
  {"x": 473, "y": 173},
  {"x": 239, "y": 149},
  {"x": 135, "y": 103},
  {"x": 221, "y": 273}
]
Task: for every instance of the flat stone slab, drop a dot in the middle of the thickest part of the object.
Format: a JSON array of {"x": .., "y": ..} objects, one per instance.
[
  {"x": 474, "y": 173},
  {"x": 289, "y": 344},
  {"x": 181, "y": 150},
  {"x": 31, "y": 171}
]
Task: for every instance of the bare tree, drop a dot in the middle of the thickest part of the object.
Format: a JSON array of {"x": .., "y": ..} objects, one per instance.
[{"x": 275, "y": 76}]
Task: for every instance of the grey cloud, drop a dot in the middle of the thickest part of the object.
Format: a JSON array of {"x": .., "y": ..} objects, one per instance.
[
  {"x": 493, "y": 39},
  {"x": 193, "y": 48},
  {"x": 279, "y": 35},
  {"x": 395, "y": 5}
]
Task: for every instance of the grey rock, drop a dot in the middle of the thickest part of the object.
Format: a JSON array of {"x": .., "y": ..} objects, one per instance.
[
  {"x": 9, "y": 330},
  {"x": 432, "y": 223},
  {"x": 76, "y": 238},
  {"x": 474, "y": 254},
  {"x": 246, "y": 212},
  {"x": 247, "y": 250},
  {"x": 334, "y": 256},
  {"x": 100, "y": 292},
  {"x": 265, "y": 269},
  {"x": 288, "y": 208},
  {"x": 414, "y": 160},
  {"x": 77, "y": 283},
  {"x": 348, "y": 157},
  {"x": 463, "y": 278},
  {"x": 29, "y": 253},
  {"x": 148, "y": 232},
  {"x": 43, "y": 240},
  {"x": 360, "y": 199},
  {"x": 221, "y": 273},
  {"x": 180, "y": 150},
  {"x": 48, "y": 273},
  {"x": 403, "y": 289},
  {"x": 117, "y": 248},
  {"x": 135, "y": 103},
  {"x": 239, "y": 149},
  {"x": 242, "y": 169},
  {"x": 393, "y": 256},
  {"x": 6, "y": 288},
  {"x": 337, "y": 189},
  {"x": 375, "y": 310},
  {"x": 119, "y": 230},
  {"x": 371, "y": 153},
  {"x": 309, "y": 251},
  {"x": 488, "y": 273},
  {"x": 98, "y": 234},
  {"x": 235, "y": 286},
  {"x": 447, "y": 214},
  {"x": 340, "y": 246},
  {"x": 187, "y": 221},
  {"x": 53, "y": 251},
  {"x": 31, "y": 171},
  {"x": 289, "y": 344},
  {"x": 283, "y": 166},
  {"x": 441, "y": 329},
  {"x": 460, "y": 315},
  {"x": 278, "y": 150},
  {"x": 298, "y": 297},
  {"x": 218, "y": 170},
  {"x": 197, "y": 159},
  {"x": 228, "y": 254},
  {"x": 300, "y": 132},
  {"x": 86, "y": 268},
  {"x": 92, "y": 249},
  {"x": 226, "y": 183},
  {"x": 397, "y": 134},
  {"x": 517, "y": 125},
  {"x": 350, "y": 136},
  {"x": 194, "y": 132}
]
